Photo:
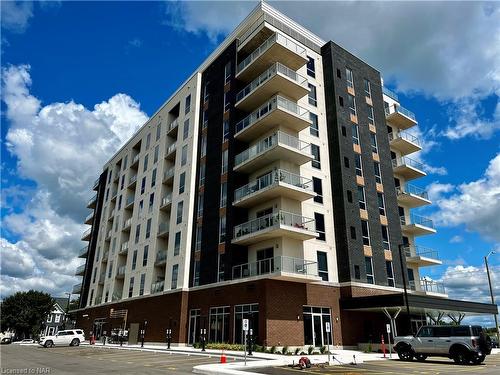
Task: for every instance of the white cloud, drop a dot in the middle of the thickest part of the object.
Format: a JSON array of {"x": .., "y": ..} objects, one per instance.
[
  {"x": 16, "y": 15},
  {"x": 136, "y": 42},
  {"x": 61, "y": 147},
  {"x": 456, "y": 239},
  {"x": 475, "y": 204}
]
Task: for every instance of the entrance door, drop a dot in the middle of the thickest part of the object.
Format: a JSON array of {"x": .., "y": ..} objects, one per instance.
[
  {"x": 317, "y": 331},
  {"x": 194, "y": 322},
  {"x": 315, "y": 319}
]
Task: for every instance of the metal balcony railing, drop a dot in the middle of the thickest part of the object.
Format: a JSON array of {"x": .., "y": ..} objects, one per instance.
[
  {"x": 413, "y": 190},
  {"x": 432, "y": 286},
  {"x": 277, "y": 264},
  {"x": 276, "y": 102},
  {"x": 417, "y": 219},
  {"x": 130, "y": 200},
  {"x": 268, "y": 74},
  {"x": 414, "y": 250},
  {"x": 124, "y": 247},
  {"x": 270, "y": 142},
  {"x": 273, "y": 178},
  {"x": 158, "y": 286},
  {"x": 406, "y": 136},
  {"x": 390, "y": 94},
  {"x": 275, "y": 38},
  {"x": 402, "y": 110},
  {"x": 274, "y": 220},
  {"x": 406, "y": 161}
]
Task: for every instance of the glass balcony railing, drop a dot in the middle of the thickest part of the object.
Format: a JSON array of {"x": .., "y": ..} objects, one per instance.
[
  {"x": 277, "y": 264},
  {"x": 135, "y": 160},
  {"x": 401, "y": 110},
  {"x": 171, "y": 148},
  {"x": 270, "y": 142},
  {"x": 273, "y": 178},
  {"x": 130, "y": 200},
  {"x": 277, "y": 102},
  {"x": 86, "y": 233},
  {"x": 418, "y": 220},
  {"x": 174, "y": 124},
  {"x": 158, "y": 286},
  {"x": 275, "y": 38},
  {"x": 124, "y": 247},
  {"x": 276, "y": 68},
  {"x": 413, "y": 190},
  {"x": 166, "y": 200},
  {"x": 168, "y": 173},
  {"x": 89, "y": 216},
  {"x": 161, "y": 257},
  {"x": 390, "y": 94},
  {"x": 413, "y": 250},
  {"x": 405, "y": 161},
  {"x": 404, "y": 135},
  {"x": 121, "y": 271},
  {"x": 133, "y": 180},
  {"x": 274, "y": 220},
  {"x": 163, "y": 228},
  {"x": 96, "y": 184},
  {"x": 432, "y": 286},
  {"x": 92, "y": 200},
  {"x": 80, "y": 269},
  {"x": 83, "y": 251},
  {"x": 127, "y": 223},
  {"x": 77, "y": 288}
]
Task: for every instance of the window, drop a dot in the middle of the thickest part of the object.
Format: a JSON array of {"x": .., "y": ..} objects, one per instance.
[
  {"x": 95, "y": 274},
  {"x": 341, "y": 101},
  {"x": 205, "y": 119},
  {"x": 148, "y": 228},
  {"x": 187, "y": 106},
  {"x": 145, "y": 256},
  {"x": 352, "y": 104},
  {"x": 353, "y": 233},
  {"x": 316, "y": 162},
  {"x": 224, "y": 161},
  {"x": 223, "y": 194},
  {"x": 177, "y": 243},
  {"x": 196, "y": 273},
  {"x": 218, "y": 324},
  {"x": 143, "y": 184},
  {"x": 125, "y": 160},
  {"x": 184, "y": 155},
  {"x": 313, "y": 129},
  {"x": 134, "y": 260},
  {"x": 369, "y": 270},
  {"x": 322, "y": 265},
  {"x": 143, "y": 281},
  {"x": 200, "y": 204},
  {"x": 205, "y": 93},
  {"x": 250, "y": 312},
  {"x": 199, "y": 232},
  {"x": 381, "y": 204},
  {"x": 338, "y": 74},
  {"x": 349, "y": 77},
  {"x": 122, "y": 184},
  {"x": 227, "y": 72},
  {"x": 355, "y": 134},
  {"x": 57, "y": 318},
  {"x": 185, "y": 130},
  {"x": 110, "y": 269},
  {"x": 106, "y": 296},
  {"x": 107, "y": 193},
  {"x": 131, "y": 287},
  {"x": 227, "y": 102},
  {"x": 157, "y": 152},
  {"x": 182, "y": 182},
  {"x": 202, "y": 174},
  {"x": 148, "y": 141},
  {"x": 320, "y": 225},
  {"x": 385, "y": 238},
  {"x": 145, "y": 165},
  {"x": 368, "y": 89},
  {"x": 225, "y": 130},
  {"x": 220, "y": 267},
  {"x": 158, "y": 130},
  {"x": 365, "y": 232},
  {"x": 390, "y": 273},
  {"x": 373, "y": 142},
  {"x": 357, "y": 272},
  {"x": 141, "y": 206},
  {"x": 318, "y": 189},
  {"x": 137, "y": 232},
  {"x": 222, "y": 229},
  {"x": 153, "y": 178},
  {"x": 175, "y": 274},
  {"x": 359, "y": 168},
  {"x": 151, "y": 201},
  {"x": 312, "y": 95},
  {"x": 376, "y": 168},
  {"x": 361, "y": 198},
  {"x": 346, "y": 162},
  {"x": 203, "y": 147},
  {"x": 371, "y": 117},
  {"x": 180, "y": 207},
  {"x": 119, "y": 203},
  {"x": 349, "y": 196},
  {"x": 311, "y": 71}
]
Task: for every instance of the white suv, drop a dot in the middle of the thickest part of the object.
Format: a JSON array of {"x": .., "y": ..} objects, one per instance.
[{"x": 72, "y": 337}]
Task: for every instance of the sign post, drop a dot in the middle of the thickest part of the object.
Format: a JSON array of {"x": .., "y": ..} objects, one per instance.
[
  {"x": 245, "y": 330},
  {"x": 388, "y": 328},
  {"x": 328, "y": 330}
]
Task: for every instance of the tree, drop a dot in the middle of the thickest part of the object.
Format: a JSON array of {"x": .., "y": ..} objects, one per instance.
[{"x": 25, "y": 312}]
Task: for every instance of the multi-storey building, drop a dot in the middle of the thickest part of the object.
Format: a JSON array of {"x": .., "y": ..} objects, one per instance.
[{"x": 272, "y": 185}]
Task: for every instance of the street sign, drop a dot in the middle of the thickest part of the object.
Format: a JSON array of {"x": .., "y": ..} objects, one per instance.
[
  {"x": 327, "y": 326},
  {"x": 245, "y": 325},
  {"x": 388, "y": 328}
]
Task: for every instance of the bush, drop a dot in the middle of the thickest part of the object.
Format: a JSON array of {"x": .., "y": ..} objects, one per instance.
[
  {"x": 284, "y": 350},
  {"x": 302, "y": 353},
  {"x": 196, "y": 345},
  {"x": 297, "y": 351},
  {"x": 315, "y": 353},
  {"x": 258, "y": 348},
  {"x": 310, "y": 350},
  {"x": 225, "y": 346},
  {"x": 273, "y": 349}
]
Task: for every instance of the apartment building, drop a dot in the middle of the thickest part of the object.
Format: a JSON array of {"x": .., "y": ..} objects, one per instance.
[{"x": 273, "y": 185}]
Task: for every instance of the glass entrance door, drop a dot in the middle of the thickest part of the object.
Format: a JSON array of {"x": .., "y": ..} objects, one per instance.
[
  {"x": 317, "y": 331},
  {"x": 315, "y": 319}
]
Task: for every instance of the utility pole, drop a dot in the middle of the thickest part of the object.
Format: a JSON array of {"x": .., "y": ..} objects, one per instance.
[
  {"x": 491, "y": 292},
  {"x": 400, "y": 248}
]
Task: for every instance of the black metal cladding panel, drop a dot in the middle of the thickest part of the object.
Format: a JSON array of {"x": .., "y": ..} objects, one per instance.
[
  {"x": 93, "y": 239},
  {"x": 346, "y": 214}
]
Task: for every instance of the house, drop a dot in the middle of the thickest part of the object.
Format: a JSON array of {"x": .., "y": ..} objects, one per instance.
[{"x": 56, "y": 319}]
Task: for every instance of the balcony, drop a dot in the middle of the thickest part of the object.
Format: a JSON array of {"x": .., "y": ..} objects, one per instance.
[
  {"x": 161, "y": 258},
  {"x": 168, "y": 176},
  {"x": 96, "y": 184},
  {"x": 111, "y": 215},
  {"x": 280, "y": 267},
  {"x": 400, "y": 117},
  {"x": 170, "y": 153},
  {"x": 120, "y": 272},
  {"x": 105, "y": 256},
  {"x": 113, "y": 195},
  {"x": 82, "y": 253},
  {"x": 132, "y": 181},
  {"x": 279, "y": 146},
  {"x": 274, "y": 184},
  {"x": 77, "y": 289},
  {"x": 126, "y": 225},
  {"x": 92, "y": 202},
  {"x": 80, "y": 270},
  {"x": 129, "y": 204},
  {"x": 408, "y": 168},
  {"x": 163, "y": 230},
  {"x": 124, "y": 248},
  {"x": 158, "y": 287},
  {"x": 89, "y": 218},
  {"x": 404, "y": 142},
  {"x": 412, "y": 196},
  {"x": 276, "y": 48},
  {"x": 166, "y": 202},
  {"x": 278, "y": 78},
  {"x": 417, "y": 225},
  {"x": 102, "y": 278},
  {"x": 173, "y": 127},
  {"x": 86, "y": 235},
  {"x": 278, "y": 110},
  {"x": 279, "y": 224},
  {"x": 135, "y": 161},
  {"x": 390, "y": 94},
  {"x": 431, "y": 286},
  {"x": 108, "y": 235},
  {"x": 421, "y": 256}
]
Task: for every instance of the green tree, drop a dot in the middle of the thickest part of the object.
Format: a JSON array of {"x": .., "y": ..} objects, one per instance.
[{"x": 25, "y": 312}]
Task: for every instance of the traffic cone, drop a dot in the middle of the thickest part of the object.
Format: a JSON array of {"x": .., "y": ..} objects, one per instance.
[{"x": 223, "y": 357}]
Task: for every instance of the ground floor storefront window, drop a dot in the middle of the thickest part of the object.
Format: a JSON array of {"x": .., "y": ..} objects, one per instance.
[
  {"x": 219, "y": 324},
  {"x": 194, "y": 326},
  {"x": 315, "y": 319},
  {"x": 250, "y": 312}
]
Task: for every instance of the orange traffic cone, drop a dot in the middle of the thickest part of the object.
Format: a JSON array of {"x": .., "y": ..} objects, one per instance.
[{"x": 223, "y": 357}]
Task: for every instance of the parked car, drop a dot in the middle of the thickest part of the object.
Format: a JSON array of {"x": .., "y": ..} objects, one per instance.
[
  {"x": 25, "y": 341},
  {"x": 6, "y": 340},
  {"x": 494, "y": 342},
  {"x": 464, "y": 344},
  {"x": 71, "y": 337}
]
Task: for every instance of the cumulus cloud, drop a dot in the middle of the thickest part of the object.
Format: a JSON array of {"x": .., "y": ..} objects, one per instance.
[
  {"x": 61, "y": 147},
  {"x": 16, "y": 15},
  {"x": 456, "y": 239},
  {"x": 475, "y": 204}
]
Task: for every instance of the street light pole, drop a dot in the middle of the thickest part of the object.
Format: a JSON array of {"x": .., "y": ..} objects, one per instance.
[
  {"x": 491, "y": 292},
  {"x": 400, "y": 248},
  {"x": 67, "y": 310}
]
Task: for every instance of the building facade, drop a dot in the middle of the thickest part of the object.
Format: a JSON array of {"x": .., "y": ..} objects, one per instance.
[{"x": 272, "y": 185}]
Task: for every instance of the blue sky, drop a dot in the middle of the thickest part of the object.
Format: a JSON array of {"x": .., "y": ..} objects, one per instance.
[{"x": 60, "y": 60}]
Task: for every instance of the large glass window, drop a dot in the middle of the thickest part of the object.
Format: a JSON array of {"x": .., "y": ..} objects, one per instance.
[
  {"x": 373, "y": 142},
  {"x": 218, "y": 324},
  {"x": 180, "y": 207},
  {"x": 137, "y": 232},
  {"x": 182, "y": 182},
  {"x": 131, "y": 287},
  {"x": 175, "y": 275},
  {"x": 200, "y": 204},
  {"x": 196, "y": 273},
  {"x": 225, "y": 130},
  {"x": 369, "y": 270},
  {"x": 227, "y": 102},
  {"x": 322, "y": 265},
  {"x": 145, "y": 256},
  {"x": 141, "y": 287},
  {"x": 185, "y": 132},
  {"x": 320, "y": 225},
  {"x": 352, "y": 104},
  {"x": 153, "y": 178},
  {"x": 221, "y": 267},
  {"x": 134, "y": 260},
  {"x": 184, "y": 154},
  {"x": 312, "y": 95},
  {"x": 365, "y": 232},
  {"x": 361, "y": 197},
  {"x": 222, "y": 229},
  {"x": 349, "y": 77},
  {"x": 194, "y": 325},
  {"x": 148, "y": 228},
  {"x": 371, "y": 117},
  {"x": 203, "y": 147},
  {"x": 368, "y": 89},
  {"x": 225, "y": 154},
  {"x": 250, "y": 312},
  {"x": 385, "y": 238},
  {"x": 311, "y": 70},
  {"x": 355, "y": 134},
  {"x": 318, "y": 189},
  {"x": 177, "y": 243},
  {"x": 376, "y": 169},
  {"x": 227, "y": 72},
  {"x": 314, "y": 129},
  {"x": 202, "y": 174},
  {"x": 359, "y": 165},
  {"x": 381, "y": 204},
  {"x": 187, "y": 106},
  {"x": 390, "y": 273},
  {"x": 223, "y": 194},
  {"x": 316, "y": 162}
]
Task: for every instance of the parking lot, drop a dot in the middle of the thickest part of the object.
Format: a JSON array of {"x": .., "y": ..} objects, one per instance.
[
  {"x": 429, "y": 367},
  {"x": 86, "y": 359}
]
